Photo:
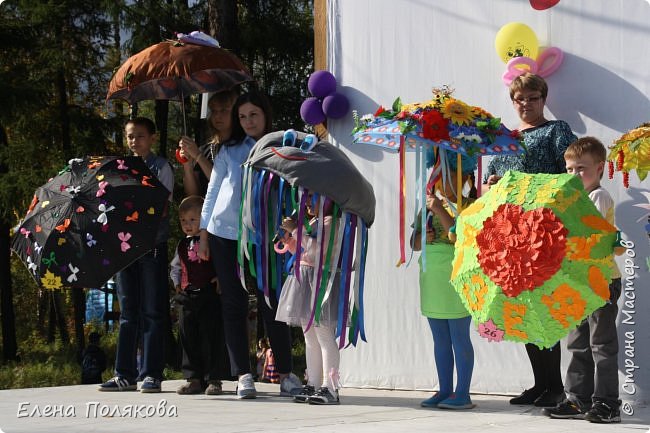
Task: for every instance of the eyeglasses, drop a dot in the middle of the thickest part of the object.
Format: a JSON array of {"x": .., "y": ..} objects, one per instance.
[{"x": 530, "y": 99}]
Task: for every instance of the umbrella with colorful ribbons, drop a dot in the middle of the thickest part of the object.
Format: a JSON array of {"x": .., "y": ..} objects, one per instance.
[
  {"x": 533, "y": 258},
  {"x": 631, "y": 152},
  {"x": 443, "y": 122},
  {"x": 94, "y": 218},
  {"x": 282, "y": 172}
]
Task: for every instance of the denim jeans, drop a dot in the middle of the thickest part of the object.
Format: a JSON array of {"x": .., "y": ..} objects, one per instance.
[{"x": 142, "y": 291}]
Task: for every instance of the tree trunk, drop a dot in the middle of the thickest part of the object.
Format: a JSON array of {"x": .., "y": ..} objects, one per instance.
[
  {"x": 222, "y": 21},
  {"x": 79, "y": 302},
  {"x": 9, "y": 344},
  {"x": 162, "y": 111}
]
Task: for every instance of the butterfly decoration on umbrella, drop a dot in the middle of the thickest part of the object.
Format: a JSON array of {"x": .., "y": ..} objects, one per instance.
[{"x": 95, "y": 217}]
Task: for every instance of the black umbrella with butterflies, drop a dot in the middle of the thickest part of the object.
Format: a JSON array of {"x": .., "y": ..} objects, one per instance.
[{"x": 94, "y": 218}]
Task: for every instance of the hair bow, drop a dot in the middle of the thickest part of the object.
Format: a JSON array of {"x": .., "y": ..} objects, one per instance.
[
  {"x": 120, "y": 165},
  {"x": 103, "y": 218},
  {"x": 31, "y": 265},
  {"x": 49, "y": 260},
  {"x": 102, "y": 188},
  {"x": 90, "y": 241},
  {"x": 73, "y": 276},
  {"x": 124, "y": 237}
]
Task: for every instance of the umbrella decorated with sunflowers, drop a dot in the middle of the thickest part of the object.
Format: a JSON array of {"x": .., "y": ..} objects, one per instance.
[
  {"x": 444, "y": 122},
  {"x": 533, "y": 258},
  {"x": 631, "y": 152}
]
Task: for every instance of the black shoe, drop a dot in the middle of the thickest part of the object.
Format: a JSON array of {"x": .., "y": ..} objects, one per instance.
[
  {"x": 118, "y": 384},
  {"x": 602, "y": 412},
  {"x": 550, "y": 398},
  {"x": 565, "y": 410},
  {"x": 324, "y": 396},
  {"x": 527, "y": 397},
  {"x": 306, "y": 392}
]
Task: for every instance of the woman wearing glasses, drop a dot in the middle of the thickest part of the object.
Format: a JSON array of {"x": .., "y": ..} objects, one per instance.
[{"x": 546, "y": 141}]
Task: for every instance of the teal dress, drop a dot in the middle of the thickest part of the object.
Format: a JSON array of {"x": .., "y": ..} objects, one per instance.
[{"x": 545, "y": 147}]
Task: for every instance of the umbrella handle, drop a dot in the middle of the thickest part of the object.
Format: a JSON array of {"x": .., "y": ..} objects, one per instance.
[{"x": 180, "y": 87}]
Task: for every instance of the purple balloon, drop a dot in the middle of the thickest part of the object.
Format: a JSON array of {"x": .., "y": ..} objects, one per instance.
[
  {"x": 312, "y": 112},
  {"x": 321, "y": 84},
  {"x": 336, "y": 105}
]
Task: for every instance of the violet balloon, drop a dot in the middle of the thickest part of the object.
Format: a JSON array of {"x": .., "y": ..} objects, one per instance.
[
  {"x": 336, "y": 105},
  {"x": 321, "y": 84},
  {"x": 311, "y": 111}
]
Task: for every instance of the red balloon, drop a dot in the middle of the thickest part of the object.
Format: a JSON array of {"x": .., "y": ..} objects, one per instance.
[{"x": 540, "y": 5}]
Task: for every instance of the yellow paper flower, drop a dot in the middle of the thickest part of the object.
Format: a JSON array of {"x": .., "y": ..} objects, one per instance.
[
  {"x": 457, "y": 111},
  {"x": 481, "y": 113}
]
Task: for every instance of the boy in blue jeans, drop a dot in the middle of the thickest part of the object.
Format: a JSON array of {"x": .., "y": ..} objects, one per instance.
[
  {"x": 591, "y": 383},
  {"x": 142, "y": 287}
]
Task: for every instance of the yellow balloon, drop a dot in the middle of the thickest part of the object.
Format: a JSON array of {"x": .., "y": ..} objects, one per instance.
[{"x": 516, "y": 40}]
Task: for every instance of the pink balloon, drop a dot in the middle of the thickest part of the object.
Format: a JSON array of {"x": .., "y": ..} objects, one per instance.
[
  {"x": 513, "y": 71},
  {"x": 549, "y": 60}
]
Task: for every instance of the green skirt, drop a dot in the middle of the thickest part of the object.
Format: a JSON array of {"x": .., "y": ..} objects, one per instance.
[{"x": 438, "y": 299}]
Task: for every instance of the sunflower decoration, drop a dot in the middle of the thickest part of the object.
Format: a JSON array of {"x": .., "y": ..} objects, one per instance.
[
  {"x": 457, "y": 112},
  {"x": 631, "y": 152}
]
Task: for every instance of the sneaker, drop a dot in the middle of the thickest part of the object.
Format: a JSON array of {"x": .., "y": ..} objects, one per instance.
[
  {"x": 304, "y": 394},
  {"x": 214, "y": 388},
  {"x": 324, "y": 396},
  {"x": 456, "y": 402},
  {"x": 565, "y": 410},
  {"x": 290, "y": 386},
  {"x": 192, "y": 386},
  {"x": 602, "y": 412},
  {"x": 550, "y": 398},
  {"x": 150, "y": 384},
  {"x": 246, "y": 387},
  {"x": 528, "y": 396},
  {"x": 118, "y": 384},
  {"x": 432, "y": 402}
]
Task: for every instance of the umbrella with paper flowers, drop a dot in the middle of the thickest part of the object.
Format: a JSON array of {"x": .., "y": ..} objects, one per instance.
[
  {"x": 443, "y": 122},
  {"x": 285, "y": 172},
  {"x": 631, "y": 152},
  {"x": 533, "y": 258}
]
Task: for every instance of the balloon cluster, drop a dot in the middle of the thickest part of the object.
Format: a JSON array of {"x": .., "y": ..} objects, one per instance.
[
  {"x": 518, "y": 47},
  {"x": 325, "y": 100}
]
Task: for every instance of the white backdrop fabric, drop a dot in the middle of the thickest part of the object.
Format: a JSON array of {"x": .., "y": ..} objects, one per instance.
[{"x": 381, "y": 49}]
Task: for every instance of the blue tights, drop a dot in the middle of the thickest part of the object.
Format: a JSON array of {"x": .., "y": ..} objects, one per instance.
[{"x": 453, "y": 334}]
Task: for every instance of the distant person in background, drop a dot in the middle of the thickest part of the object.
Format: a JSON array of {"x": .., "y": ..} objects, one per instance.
[
  {"x": 93, "y": 361},
  {"x": 546, "y": 141}
]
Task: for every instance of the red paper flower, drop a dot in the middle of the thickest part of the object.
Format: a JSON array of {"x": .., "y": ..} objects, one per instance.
[
  {"x": 434, "y": 126},
  {"x": 521, "y": 250}
]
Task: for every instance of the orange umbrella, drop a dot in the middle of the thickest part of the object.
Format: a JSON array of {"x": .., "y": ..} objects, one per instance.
[{"x": 174, "y": 69}]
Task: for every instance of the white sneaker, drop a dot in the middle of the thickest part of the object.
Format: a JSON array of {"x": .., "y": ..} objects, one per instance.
[
  {"x": 290, "y": 386},
  {"x": 246, "y": 387}
]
